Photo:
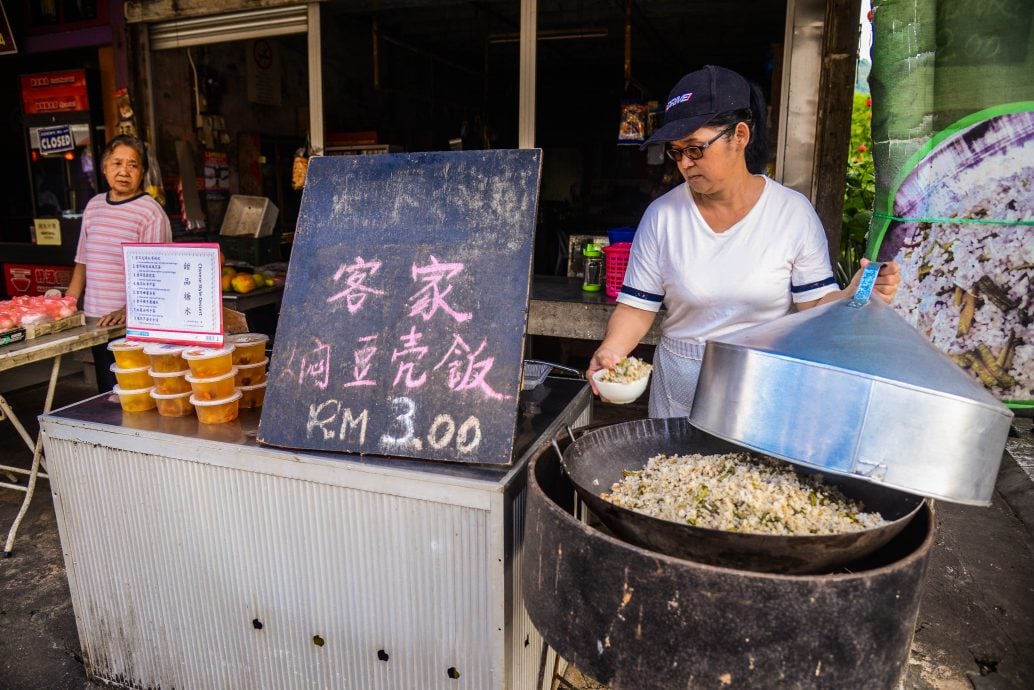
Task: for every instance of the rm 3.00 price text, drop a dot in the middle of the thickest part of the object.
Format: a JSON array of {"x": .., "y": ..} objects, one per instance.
[{"x": 335, "y": 420}]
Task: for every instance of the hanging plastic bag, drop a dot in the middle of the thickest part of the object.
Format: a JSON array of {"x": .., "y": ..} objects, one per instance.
[
  {"x": 153, "y": 177},
  {"x": 300, "y": 167}
]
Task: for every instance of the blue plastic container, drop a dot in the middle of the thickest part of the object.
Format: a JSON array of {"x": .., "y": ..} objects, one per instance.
[{"x": 616, "y": 235}]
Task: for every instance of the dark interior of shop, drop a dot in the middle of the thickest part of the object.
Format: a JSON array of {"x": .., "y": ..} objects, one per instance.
[
  {"x": 446, "y": 72},
  {"x": 422, "y": 75}
]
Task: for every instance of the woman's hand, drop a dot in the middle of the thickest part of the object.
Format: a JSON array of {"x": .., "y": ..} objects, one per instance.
[
  {"x": 601, "y": 359},
  {"x": 888, "y": 280},
  {"x": 115, "y": 318},
  {"x": 886, "y": 286}
]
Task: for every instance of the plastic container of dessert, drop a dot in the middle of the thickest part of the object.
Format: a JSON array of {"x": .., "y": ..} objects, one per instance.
[
  {"x": 252, "y": 396},
  {"x": 217, "y": 411},
  {"x": 214, "y": 387},
  {"x": 250, "y": 374},
  {"x": 170, "y": 382},
  {"x": 130, "y": 379},
  {"x": 165, "y": 357},
  {"x": 129, "y": 354},
  {"x": 249, "y": 348},
  {"x": 135, "y": 400},
  {"x": 206, "y": 362},
  {"x": 174, "y": 404}
]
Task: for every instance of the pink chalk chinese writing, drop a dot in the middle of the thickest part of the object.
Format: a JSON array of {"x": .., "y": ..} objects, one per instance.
[
  {"x": 405, "y": 367},
  {"x": 363, "y": 356},
  {"x": 315, "y": 365},
  {"x": 431, "y": 297},
  {"x": 357, "y": 291},
  {"x": 466, "y": 372}
]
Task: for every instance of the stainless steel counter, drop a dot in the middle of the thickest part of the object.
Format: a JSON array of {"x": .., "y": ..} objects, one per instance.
[{"x": 199, "y": 558}]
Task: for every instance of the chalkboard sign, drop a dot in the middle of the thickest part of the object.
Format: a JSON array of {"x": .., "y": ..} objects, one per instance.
[{"x": 402, "y": 325}]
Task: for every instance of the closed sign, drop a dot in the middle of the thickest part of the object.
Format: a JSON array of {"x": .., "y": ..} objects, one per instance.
[{"x": 55, "y": 139}]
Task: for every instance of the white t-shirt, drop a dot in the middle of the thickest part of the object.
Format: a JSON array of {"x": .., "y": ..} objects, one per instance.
[{"x": 715, "y": 283}]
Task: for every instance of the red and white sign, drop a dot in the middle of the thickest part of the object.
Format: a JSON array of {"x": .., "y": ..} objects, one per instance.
[
  {"x": 55, "y": 92},
  {"x": 35, "y": 279},
  {"x": 174, "y": 293}
]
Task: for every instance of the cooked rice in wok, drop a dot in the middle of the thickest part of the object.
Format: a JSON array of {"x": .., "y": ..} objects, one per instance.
[{"x": 739, "y": 492}]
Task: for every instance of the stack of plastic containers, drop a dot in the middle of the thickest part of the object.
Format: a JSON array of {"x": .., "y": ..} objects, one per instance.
[
  {"x": 131, "y": 371},
  {"x": 169, "y": 371},
  {"x": 216, "y": 383},
  {"x": 211, "y": 378},
  {"x": 251, "y": 362}
]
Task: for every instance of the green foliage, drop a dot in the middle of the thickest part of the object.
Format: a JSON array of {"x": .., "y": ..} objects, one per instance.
[{"x": 859, "y": 192}]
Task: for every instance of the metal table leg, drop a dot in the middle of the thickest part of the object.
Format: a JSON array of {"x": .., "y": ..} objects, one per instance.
[
  {"x": 37, "y": 455},
  {"x": 7, "y": 413}
]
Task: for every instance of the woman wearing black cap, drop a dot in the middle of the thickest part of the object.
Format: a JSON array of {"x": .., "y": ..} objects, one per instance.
[{"x": 728, "y": 249}]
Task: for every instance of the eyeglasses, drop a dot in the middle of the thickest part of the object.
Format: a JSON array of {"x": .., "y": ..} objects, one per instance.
[{"x": 695, "y": 153}]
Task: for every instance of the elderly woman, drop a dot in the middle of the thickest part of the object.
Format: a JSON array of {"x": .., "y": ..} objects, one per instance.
[
  {"x": 123, "y": 214},
  {"x": 728, "y": 249}
]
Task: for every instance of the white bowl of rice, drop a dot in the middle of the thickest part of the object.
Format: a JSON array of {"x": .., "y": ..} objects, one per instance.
[{"x": 623, "y": 382}]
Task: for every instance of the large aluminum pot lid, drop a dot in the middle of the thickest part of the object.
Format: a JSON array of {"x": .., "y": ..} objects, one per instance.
[{"x": 855, "y": 390}]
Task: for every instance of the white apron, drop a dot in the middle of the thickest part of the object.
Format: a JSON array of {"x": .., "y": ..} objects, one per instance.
[{"x": 676, "y": 368}]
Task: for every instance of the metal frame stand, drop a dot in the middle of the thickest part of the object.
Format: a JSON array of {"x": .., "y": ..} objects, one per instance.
[
  {"x": 47, "y": 347},
  {"x": 37, "y": 455}
]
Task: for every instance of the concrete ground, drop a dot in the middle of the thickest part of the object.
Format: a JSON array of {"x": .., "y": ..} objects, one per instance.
[{"x": 976, "y": 618}]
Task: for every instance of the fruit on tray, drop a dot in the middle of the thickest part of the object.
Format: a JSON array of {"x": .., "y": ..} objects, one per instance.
[
  {"x": 24, "y": 310},
  {"x": 243, "y": 283}
]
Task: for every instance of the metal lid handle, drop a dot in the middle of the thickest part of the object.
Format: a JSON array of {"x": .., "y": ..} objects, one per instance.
[{"x": 865, "y": 285}]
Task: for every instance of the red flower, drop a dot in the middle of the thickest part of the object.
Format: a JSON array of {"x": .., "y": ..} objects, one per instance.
[
  {"x": 863, "y": 148},
  {"x": 868, "y": 102}
]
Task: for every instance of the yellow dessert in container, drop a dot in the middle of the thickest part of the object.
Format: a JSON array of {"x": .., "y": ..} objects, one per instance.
[
  {"x": 165, "y": 357},
  {"x": 214, "y": 387},
  {"x": 174, "y": 404},
  {"x": 129, "y": 354},
  {"x": 252, "y": 396},
  {"x": 249, "y": 348},
  {"x": 170, "y": 382},
  {"x": 250, "y": 374},
  {"x": 206, "y": 362},
  {"x": 135, "y": 400},
  {"x": 130, "y": 379},
  {"x": 217, "y": 411}
]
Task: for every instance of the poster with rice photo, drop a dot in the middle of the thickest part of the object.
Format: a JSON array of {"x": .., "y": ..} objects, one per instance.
[{"x": 953, "y": 132}]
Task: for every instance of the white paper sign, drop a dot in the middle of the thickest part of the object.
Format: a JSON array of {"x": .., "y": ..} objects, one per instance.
[{"x": 173, "y": 293}]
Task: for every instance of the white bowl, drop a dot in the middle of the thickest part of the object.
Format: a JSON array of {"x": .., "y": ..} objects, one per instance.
[{"x": 619, "y": 393}]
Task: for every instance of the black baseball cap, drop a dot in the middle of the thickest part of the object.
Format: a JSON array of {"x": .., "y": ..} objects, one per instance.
[{"x": 697, "y": 98}]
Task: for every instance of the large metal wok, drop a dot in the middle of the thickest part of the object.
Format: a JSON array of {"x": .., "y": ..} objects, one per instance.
[{"x": 595, "y": 462}]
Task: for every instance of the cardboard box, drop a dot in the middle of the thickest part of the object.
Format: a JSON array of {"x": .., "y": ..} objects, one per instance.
[{"x": 35, "y": 279}]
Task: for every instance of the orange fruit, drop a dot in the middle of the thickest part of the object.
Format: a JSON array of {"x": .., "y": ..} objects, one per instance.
[{"x": 243, "y": 283}]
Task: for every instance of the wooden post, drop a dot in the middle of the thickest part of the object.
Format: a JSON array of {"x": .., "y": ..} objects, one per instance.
[{"x": 833, "y": 128}]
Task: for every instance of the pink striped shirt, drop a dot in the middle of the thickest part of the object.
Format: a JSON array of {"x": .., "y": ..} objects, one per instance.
[{"x": 106, "y": 227}]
